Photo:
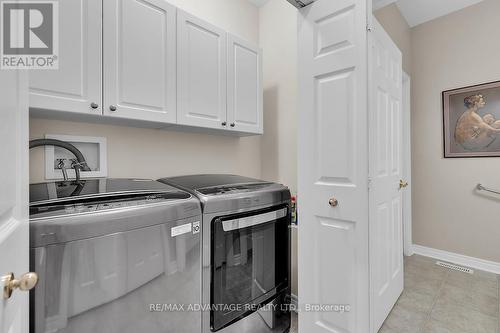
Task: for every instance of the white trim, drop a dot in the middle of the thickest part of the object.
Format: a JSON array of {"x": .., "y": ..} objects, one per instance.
[
  {"x": 8, "y": 227},
  {"x": 407, "y": 198},
  {"x": 459, "y": 259},
  {"x": 294, "y": 302}
]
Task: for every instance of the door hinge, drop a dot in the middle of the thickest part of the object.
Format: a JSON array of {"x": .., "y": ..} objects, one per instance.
[{"x": 369, "y": 183}]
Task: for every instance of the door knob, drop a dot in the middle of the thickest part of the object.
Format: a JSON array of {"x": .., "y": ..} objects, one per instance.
[
  {"x": 402, "y": 184},
  {"x": 112, "y": 107},
  {"x": 224, "y": 123},
  {"x": 333, "y": 202},
  {"x": 26, "y": 282},
  {"x": 232, "y": 124},
  {"x": 94, "y": 105}
]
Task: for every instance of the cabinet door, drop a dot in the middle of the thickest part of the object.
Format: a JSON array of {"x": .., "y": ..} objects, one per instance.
[
  {"x": 201, "y": 50},
  {"x": 77, "y": 82},
  {"x": 244, "y": 86},
  {"x": 139, "y": 60}
]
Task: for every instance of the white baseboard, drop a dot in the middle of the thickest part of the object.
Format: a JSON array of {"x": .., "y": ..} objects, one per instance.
[
  {"x": 408, "y": 249},
  {"x": 295, "y": 302},
  {"x": 459, "y": 259}
]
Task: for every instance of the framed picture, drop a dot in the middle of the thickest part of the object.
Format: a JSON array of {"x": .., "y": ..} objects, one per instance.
[{"x": 471, "y": 119}]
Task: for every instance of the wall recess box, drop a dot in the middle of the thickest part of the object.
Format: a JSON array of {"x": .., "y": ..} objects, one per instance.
[{"x": 94, "y": 149}]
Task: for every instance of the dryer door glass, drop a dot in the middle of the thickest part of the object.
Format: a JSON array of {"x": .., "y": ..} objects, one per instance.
[{"x": 250, "y": 262}]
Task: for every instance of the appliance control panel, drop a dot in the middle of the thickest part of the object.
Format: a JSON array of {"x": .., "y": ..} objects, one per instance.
[
  {"x": 82, "y": 208},
  {"x": 231, "y": 189},
  {"x": 101, "y": 204}
]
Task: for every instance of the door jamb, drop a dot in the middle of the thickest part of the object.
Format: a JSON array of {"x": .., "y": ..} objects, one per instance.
[{"x": 407, "y": 198}]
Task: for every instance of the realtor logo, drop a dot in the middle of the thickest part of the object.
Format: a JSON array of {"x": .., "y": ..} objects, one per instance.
[{"x": 29, "y": 34}]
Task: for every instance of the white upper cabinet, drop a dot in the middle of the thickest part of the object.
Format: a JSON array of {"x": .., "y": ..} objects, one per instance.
[
  {"x": 76, "y": 85},
  {"x": 244, "y": 86},
  {"x": 139, "y": 60},
  {"x": 201, "y": 76},
  {"x": 148, "y": 61}
]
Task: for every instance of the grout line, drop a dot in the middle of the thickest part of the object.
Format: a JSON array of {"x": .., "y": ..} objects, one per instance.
[{"x": 434, "y": 301}]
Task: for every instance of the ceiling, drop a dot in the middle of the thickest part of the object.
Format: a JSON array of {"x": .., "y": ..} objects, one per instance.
[
  {"x": 420, "y": 11},
  {"x": 415, "y": 11}
]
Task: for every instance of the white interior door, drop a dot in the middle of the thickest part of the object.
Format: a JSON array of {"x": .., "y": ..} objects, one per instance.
[
  {"x": 333, "y": 165},
  {"x": 14, "y": 243},
  {"x": 201, "y": 77},
  {"x": 140, "y": 60},
  {"x": 77, "y": 85},
  {"x": 385, "y": 128}
]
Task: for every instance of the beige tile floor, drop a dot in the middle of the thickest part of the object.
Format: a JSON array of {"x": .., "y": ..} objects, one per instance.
[{"x": 440, "y": 300}]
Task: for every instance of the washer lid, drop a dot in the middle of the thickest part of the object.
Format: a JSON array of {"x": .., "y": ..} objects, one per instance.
[
  {"x": 67, "y": 211},
  {"x": 216, "y": 184},
  {"x": 57, "y": 199},
  {"x": 71, "y": 191},
  {"x": 224, "y": 193}
]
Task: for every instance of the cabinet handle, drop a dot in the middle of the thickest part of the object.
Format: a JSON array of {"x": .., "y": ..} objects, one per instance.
[
  {"x": 224, "y": 123},
  {"x": 232, "y": 124},
  {"x": 94, "y": 105},
  {"x": 112, "y": 107}
]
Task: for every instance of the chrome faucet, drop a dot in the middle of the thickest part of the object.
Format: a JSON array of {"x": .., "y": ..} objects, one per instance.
[
  {"x": 62, "y": 167},
  {"x": 78, "y": 164}
]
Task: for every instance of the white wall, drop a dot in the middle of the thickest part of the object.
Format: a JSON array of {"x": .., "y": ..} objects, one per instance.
[
  {"x": 454, "y": 51},
  {"x": 149, "y": 153},
  {"x": 278, "y": 38},
  {"x": 239, "y": 17}
]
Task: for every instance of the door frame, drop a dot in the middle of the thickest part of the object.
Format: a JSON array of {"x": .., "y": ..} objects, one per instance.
[{"x": 407, "y": 198}]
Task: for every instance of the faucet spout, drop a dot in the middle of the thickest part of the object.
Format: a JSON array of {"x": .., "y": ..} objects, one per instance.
[{"x": 60, "y": 165}]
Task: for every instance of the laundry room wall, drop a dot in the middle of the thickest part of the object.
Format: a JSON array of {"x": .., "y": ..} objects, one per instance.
[
  {"x": 279, "y": 41},
  {"x": 449, "y": 52},
  {"x": 457, "y": 50},
  {"x": 278, "y": 38},
  {"x": 150, "y": 153}
]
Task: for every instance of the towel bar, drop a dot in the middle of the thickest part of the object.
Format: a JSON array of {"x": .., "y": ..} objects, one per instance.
[{"x": 482, "y": 188}]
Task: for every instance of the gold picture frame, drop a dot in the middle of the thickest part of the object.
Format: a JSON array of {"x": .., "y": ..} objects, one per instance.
[{"x": 471, "y": 121}]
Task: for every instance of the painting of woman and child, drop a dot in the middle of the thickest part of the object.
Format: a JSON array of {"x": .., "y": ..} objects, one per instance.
[{"x": 472, "y": 121}]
